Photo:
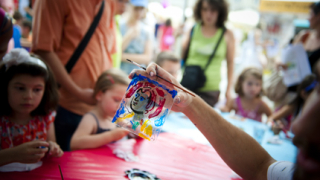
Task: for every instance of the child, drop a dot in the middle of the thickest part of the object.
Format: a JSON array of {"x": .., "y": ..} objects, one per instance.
[
  {"x": 169, "y": 62},
  {"x": 249, "y": 103},
  {"x": 28, "y": 98},
  {"x": 96, "y": 128},
  {"x": 303, "y": 91}
]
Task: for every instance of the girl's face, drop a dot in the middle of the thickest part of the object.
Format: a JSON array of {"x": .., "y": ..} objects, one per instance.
[
  {"x": 251, "y": 86},
  {"x": 209, "y": 16},
  {"x": 25, "y": 93},
  {"x": 111, "y": 99}
]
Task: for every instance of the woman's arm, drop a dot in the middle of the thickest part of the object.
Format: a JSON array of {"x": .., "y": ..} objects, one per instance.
[
  {"x": 185, "y": 42},
  {"x": 230, "y": 61},
  {"x": 84, "y": 138},
  {"x": 144, "y": 58}
]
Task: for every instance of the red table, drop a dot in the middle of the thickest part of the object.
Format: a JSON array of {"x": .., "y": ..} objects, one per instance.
[{"x": 169, "y": 157}]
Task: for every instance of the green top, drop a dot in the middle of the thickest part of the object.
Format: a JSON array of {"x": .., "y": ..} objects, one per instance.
[
  {"x": 200, "y": 50},
  {"x": 116, "y": 57}
]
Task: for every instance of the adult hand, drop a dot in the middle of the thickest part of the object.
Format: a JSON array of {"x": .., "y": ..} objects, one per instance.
[
  {"x": 30, "y": 152},
  {"x": 133, "y": 32},
  {"x": 182, "y": 100},
  {"x": 86, "y": 95},
  {"x": 55, "y": 149}
]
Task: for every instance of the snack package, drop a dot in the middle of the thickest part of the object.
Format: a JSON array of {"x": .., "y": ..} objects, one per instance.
[{"x": 145, "y": 106}]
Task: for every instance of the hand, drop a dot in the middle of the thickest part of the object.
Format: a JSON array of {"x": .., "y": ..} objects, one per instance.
[
  {"x": 133, "y": 32},
  {"x": 55, "y": 149},
  {"x": 182, "y": 100},
  {"x": 86, "y": 95},
  {"x": 119, "y": 133},
  {"x": 30, "y": 152},
  {"x": 228, "y": 97}
]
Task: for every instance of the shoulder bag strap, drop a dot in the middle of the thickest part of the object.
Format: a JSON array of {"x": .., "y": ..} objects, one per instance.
[
  {"x": 215, "y": 49},
  {"x": 186, "y": 54},
  {"x": 84, "y": 42}
]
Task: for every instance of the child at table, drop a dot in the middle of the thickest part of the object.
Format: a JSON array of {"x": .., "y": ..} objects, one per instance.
[
  {"x": 249, "y": 104},
  {"x": 96, "y": 127},
  {"x": 294, "y": 108},
  {"x": 28, "y": 98}
]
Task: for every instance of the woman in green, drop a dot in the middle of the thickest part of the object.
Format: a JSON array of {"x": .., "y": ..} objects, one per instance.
[{"x": 210, "y": 16}]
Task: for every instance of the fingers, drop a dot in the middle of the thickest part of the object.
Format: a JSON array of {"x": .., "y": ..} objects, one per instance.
[
  {"x": 38, "y": 143},
  {"x": 55, "y": 150}
]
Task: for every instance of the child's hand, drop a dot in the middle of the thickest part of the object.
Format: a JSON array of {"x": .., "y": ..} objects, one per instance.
[
  {"x": 119, "y": 133},
  {"x": 30, "y": 152},
  {"x": 54, "y": 149}
]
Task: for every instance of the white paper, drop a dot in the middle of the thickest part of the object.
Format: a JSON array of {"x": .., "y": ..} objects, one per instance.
[
  {"x": 19, "y": 167},
  {"x": 296, "y": 59}
]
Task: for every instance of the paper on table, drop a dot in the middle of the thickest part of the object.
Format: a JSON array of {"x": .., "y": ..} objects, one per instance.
[
  {"x": 19, "y": 167},
  {"x": 295, "y": 57}
]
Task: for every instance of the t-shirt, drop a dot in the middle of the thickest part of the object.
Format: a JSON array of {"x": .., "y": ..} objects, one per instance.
[
  {"x": 60, "y": 25},
  {"x": 136, "y": 46},
  {"x": 280, "y": 170},
  {"x": 13, "y": 134},
  {"x": 201, "y": 48}
]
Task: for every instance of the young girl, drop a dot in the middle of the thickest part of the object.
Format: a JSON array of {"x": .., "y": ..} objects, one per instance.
[
  {"x": 249, "y": 103},
  {"x": 96, "y": 128},
  {"x": 28, "y": 98},
  {"x": 303, "y": 91}
]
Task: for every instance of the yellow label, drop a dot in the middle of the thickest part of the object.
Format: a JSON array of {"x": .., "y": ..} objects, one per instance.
[{"x": 284, "y": 6}]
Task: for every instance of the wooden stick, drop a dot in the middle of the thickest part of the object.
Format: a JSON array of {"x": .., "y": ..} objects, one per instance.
[
  {"x": 183, "y": 89},
  {"x": 61, "y": 172}
]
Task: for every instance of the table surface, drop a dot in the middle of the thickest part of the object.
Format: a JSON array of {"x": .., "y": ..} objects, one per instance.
[
  {"x": 169, "y": 157},
  {"x": 178, "y": 123}
]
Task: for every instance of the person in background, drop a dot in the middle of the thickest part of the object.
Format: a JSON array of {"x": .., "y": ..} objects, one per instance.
[
  {"x": 120, "y": 7},
  {"x": 57, "y": 28},
  {"x": 17, "y": 29},
  {"x": 169, "y": 62},
  {"x": 210, "y": 16},
  {"x": 249, "y": 104},
  {"x": 239, "y": 150},
  {"x": 137, "y": 38},
  {"x": 166, "y": 36},
  {"x": 28, "y": 99},
  {"x": 6, "y": 32},
  {"x": 294, "y": 108},
  {"x": 96, "y": 127},
  {"x": 26, "y": 30},
  {"x": 311, "y": 38}
]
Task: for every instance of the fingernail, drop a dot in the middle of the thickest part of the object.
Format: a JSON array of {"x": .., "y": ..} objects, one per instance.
[
  {"x": 177, "y": 100},
  {"x": 151, "y": 73}
]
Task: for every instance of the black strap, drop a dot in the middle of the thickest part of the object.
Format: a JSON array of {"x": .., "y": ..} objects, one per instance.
[
  {"x": 215, "y": 49},
  {"x": 84, "y": 42},
  {"x": 186, "y": 53},
  {"x": 185, "y": 57}
]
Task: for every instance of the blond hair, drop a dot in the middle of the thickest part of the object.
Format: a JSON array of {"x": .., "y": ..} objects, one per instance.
[{"x": 109, "y": 78}]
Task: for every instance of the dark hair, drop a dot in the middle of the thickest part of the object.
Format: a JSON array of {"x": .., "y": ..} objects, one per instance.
[
  {"x": 255, "y": 72},
  {"x": 166, "y": 56},
  {"x": 27, "y": 24},
  {"x": 168, "y": 23},
  {"x": 315, "y": 7},
  {"x": 220, "y": 5},
  {"x": 17, "y": 16},
  {"x": 298, "y": 101},
  {"x": 108, "y": 78},
  {"x": 50, "y": 97}
]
